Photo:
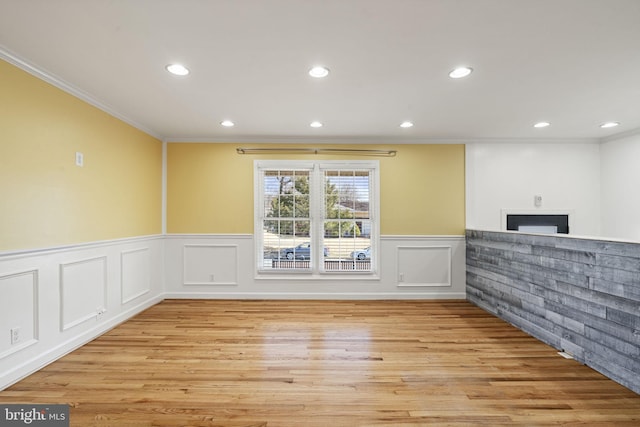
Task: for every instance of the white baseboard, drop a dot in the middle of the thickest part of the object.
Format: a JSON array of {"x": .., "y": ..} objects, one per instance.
[{"x": 315, "y": 295}]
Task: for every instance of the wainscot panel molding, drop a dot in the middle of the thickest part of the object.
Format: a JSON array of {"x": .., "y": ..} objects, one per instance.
[
  {"x": 19, "y": 314},
  {"x": 83, "y": 291},
  {"x": 54, "y": 300},
  {"x": 424, "y": 266},
  {"x": 579, "y": 295},
  {"x": 210, "y": 264},
  {"x": 224, "y": 266},
  {"x": 135, "y": 273}
]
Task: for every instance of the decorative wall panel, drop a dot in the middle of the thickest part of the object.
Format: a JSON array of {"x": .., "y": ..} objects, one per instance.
[
  {"x": 424, "y": 266},
  {"x": 83, "y": 288},
  {"x": 135, "y": 274},
  {"x": 18, "y": 311},
  {"x": 206, "y": 264}
]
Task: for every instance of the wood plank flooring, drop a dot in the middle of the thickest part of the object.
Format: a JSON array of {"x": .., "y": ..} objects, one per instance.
[{"x": 323, "y": 363}]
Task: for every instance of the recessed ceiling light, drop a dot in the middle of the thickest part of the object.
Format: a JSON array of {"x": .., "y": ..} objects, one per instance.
[
  {"x": 541, "y": 125},
  {"x": 177, "y": 69},
  {"x": 609, "y": 125},
  {"x": 316, "y": 125},
  {"x": 406, "y": 124},
  {"x": 227, "y": 123},
  {"x": 319, "y": 72},
  {"x": 460, "y": 72}
]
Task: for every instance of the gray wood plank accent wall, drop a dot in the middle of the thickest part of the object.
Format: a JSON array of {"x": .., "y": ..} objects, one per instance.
[{"x": 581, "y": 296}]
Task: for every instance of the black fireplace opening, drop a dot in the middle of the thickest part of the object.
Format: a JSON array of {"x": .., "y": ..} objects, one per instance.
[{"x": 550, "y": 224}]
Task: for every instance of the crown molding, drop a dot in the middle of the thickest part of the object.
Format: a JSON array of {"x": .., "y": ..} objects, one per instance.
[
  {"x": 56, "y": 81},
  {"x": 302, "y": 139},
  {"x": 621, "y": 135},
  {"x": 371, "y": 139}
]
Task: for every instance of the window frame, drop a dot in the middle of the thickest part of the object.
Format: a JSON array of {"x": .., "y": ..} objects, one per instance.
[{"x": 316, "y": 171}]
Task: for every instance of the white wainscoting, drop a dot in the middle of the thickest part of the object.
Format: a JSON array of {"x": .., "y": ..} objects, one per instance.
[
  {"x": 83, "y": 291},
  {"x": 60, "y": 298},
  {"x": 424, "y": 266},
  {"x": 223, "y": 266},
  {"x": 210, "y": 264},
  {"x": 135, "y": 273},
  {"x": 18, "y": 311}
]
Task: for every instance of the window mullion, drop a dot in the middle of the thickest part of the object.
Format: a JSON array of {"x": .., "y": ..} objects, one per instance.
[{"x": 316, "y": 216}]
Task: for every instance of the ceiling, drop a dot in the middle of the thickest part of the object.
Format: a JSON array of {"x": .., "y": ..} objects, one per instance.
[{"x": 573, "y": 63}]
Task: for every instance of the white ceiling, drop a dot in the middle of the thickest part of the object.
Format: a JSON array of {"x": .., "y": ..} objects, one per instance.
[{"x": 574, "y": 63}]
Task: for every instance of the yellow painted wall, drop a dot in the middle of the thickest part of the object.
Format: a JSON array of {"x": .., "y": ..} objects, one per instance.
[
  {"x": 45, "y": 200},
  {"x": 422, "y": 191},
  {"x": 210, "y": 188}
]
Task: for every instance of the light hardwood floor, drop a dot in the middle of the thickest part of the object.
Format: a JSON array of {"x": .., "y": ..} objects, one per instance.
[{"x": 323, "y": 363}]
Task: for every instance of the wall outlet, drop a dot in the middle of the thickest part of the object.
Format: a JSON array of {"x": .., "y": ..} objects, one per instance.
[
  {"x": 100, "y": 311},
  {"x": 15, "y": 335},
  {"x": 212, "y": 278},
  {"x": 79, "y": 159},
  {"x": 401, "y": 278}
]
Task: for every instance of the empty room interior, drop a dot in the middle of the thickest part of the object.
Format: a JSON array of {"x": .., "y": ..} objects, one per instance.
[{"x": 349, "y": 213}]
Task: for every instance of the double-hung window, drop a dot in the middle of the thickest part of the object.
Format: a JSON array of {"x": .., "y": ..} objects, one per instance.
[{"x": 316, "y": 217}]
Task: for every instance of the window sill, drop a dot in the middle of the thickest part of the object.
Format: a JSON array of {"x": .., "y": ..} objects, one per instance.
[{"x": 317, "y": 277}]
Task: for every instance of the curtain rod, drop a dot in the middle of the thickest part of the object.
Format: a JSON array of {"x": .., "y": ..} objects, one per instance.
[{"x": 362, "y": 152}]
